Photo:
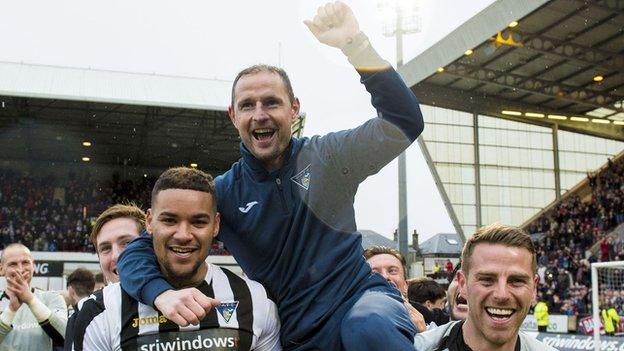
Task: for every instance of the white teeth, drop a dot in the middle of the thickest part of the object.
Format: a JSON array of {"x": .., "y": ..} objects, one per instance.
[
  {"x": 260, "y": 131},
  {"x": 181, "y": 250},
  {"x": 500, "y": 311}
]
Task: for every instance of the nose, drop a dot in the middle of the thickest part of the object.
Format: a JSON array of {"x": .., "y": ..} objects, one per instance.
[
  {"x": 501, "y": 292},
  {"x": 115, "y": 252},
  {"x": 184, "y": 232},
  {"x": 259, "y": 113}
]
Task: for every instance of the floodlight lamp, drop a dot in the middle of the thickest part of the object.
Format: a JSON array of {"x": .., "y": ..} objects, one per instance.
[
  {"x": 194, "y": 165},
  {"x": 86, "y": 159},
  {"x": 513, "y": 24},
  {"x": 598, "y": 78},
  {"x": 559, "y": 117},
  {"x": 468, "y": 52},
  {"x": 511, "y": 113},
  {"x": 600, "y": 121},
  {"x": 86, "y": 143}
]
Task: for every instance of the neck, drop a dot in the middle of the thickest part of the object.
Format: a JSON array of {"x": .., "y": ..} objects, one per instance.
[
  {"x": 273, "y": 164},
  {"x": 188, "y": 282},
  {"x": 477, "y": 341}
]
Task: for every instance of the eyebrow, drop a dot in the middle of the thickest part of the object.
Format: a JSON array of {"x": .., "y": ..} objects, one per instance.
[
  {"x": 195, "y": 216},
  {"x": 520, "y": 276}
]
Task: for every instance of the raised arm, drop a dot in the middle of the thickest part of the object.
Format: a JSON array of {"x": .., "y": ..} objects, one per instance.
[{"x": 364, "y": 150}]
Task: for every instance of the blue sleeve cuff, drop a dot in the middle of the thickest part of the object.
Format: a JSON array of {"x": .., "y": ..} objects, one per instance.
[{"x": 153, "y": 288}]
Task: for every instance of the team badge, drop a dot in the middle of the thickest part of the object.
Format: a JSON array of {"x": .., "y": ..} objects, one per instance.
[
  {"x": 302, "y": 178},
  {"x": 227, "y": 309}
]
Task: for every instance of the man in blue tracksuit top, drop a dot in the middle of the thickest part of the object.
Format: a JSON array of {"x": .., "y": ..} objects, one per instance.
[{"x": 287, "y": 207}]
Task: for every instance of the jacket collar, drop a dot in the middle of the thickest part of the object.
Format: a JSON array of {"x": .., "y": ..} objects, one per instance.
[{"x": 254, "y": 165}]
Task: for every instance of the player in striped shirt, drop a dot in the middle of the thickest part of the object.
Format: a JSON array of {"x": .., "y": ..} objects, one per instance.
[{"x": 183, "y": 221}]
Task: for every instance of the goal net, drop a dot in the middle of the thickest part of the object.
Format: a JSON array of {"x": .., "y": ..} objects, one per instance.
[{"x": 607, "y": 292}]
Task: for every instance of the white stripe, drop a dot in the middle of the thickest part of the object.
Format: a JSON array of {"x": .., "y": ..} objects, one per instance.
[
  {"x": 223, "y": 292},
  {"x": 147, "y": 312}
]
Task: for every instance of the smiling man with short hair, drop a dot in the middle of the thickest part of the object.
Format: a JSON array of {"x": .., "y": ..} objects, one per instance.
[
  {"x": 499, "y": 279},
  {"x": 183, "y": 222}
]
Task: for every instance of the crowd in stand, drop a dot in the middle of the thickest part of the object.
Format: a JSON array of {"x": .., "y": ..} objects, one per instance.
[
  {"x": 46, "y": 215},
  {"x": 567, "y": 234}
]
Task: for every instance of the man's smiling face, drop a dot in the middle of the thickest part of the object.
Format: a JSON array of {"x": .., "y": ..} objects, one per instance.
[
  {"x": 500, "y": 287},
  {"x": 263, "y": 113},
  {"x": 183, "y": 223}
]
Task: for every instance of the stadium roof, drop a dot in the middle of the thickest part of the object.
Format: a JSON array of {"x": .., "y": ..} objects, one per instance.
[
  {"x": 371, "y": 238},
  {"x": 541, "y": 62},
  {"x": 130, "y": 119},
  {"x": 81, "y": 84},
  {"x": 442, "y": 244}
]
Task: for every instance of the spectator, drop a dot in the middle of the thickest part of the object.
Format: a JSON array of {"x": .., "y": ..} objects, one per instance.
[
  {"x": 457, "y": 305},
  {"x": 541, "y": 314},
  {"x": 449, "y": 267},
  {"x": 112, "y": 231},
  {"x": 100, "y": 281},
  {"x": 391, "y": 265},
  {"x": 80, "y": 284},
  {"x": 427, "y": 292},
  {"x": 610, "y": 319},
  {"x": 34, "y": 319}
]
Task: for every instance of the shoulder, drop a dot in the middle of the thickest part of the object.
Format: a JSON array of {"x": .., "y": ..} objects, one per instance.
[
  {"x": 47, "y": 296},
  {"x": 530, "y": 343},
  {"x": 430, "y": 339}
]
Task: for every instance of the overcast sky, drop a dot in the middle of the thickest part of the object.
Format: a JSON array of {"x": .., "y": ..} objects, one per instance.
[{"x": 215, "y": 39}]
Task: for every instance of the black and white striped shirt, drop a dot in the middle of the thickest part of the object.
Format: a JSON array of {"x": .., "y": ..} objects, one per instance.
[{"x": 245, "y": 320}]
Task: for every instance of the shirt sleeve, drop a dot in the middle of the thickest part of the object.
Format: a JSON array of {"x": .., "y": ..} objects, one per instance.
[
  {"x": 357, "y": 153},
  {"x": 139, "y": 273},
  {"x": 56, "y": 324},
  {"x": 269, "y": 340}
]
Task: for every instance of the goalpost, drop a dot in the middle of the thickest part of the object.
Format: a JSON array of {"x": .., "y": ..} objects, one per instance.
[{"x": 606, "y": 277}]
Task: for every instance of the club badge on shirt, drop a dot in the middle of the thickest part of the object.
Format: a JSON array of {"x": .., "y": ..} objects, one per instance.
[
  {"x": 227, "y": 309},
  {"x": 302, "y": 178}
]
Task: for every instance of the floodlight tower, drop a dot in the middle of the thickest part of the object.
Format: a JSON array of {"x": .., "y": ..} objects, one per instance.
[{"x": 400, "y": 18}]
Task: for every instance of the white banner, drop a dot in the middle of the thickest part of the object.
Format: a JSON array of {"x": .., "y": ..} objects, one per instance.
[{"x": 556, "y": 323}]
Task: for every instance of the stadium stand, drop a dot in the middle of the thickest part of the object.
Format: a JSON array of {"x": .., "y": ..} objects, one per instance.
[
  {"x": 576, "y": 231},
  {"x": 49, "y": 214}
]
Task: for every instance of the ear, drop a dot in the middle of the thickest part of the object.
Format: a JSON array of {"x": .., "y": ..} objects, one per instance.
[
  {"x": 428, "y": 304},
  {"x": 232, "y": 115},
  {"x": 148, "y": 221},
  {"x": 461, "y": 281},
  {"x": 295, "y": 107},
  {"x": 536, "y": 280},
  {"x": 217, "y": 225},
  {"x": 1, "y": 270}
]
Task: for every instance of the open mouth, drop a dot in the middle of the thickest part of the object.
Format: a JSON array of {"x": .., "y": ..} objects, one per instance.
[
  {"x": 182, "y": 251},
  {"x": 500, "y": 314},
  {"x": 460, "y": 300},
  {"x": 263, "y": 134}
]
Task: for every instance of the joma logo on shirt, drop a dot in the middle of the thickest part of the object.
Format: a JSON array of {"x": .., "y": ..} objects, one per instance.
[{"x": 160, "y": 319}]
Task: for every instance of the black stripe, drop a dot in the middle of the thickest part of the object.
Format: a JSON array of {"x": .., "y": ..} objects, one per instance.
[
  {"x": 211, "y": 320},
  {"x": 91, "y": 308},
  {"x": 244, "y": 311},
  {"x": 129, "y": 311},
  {"x": 57, "y": 338},
  {"x": 69, "y": 331}
]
